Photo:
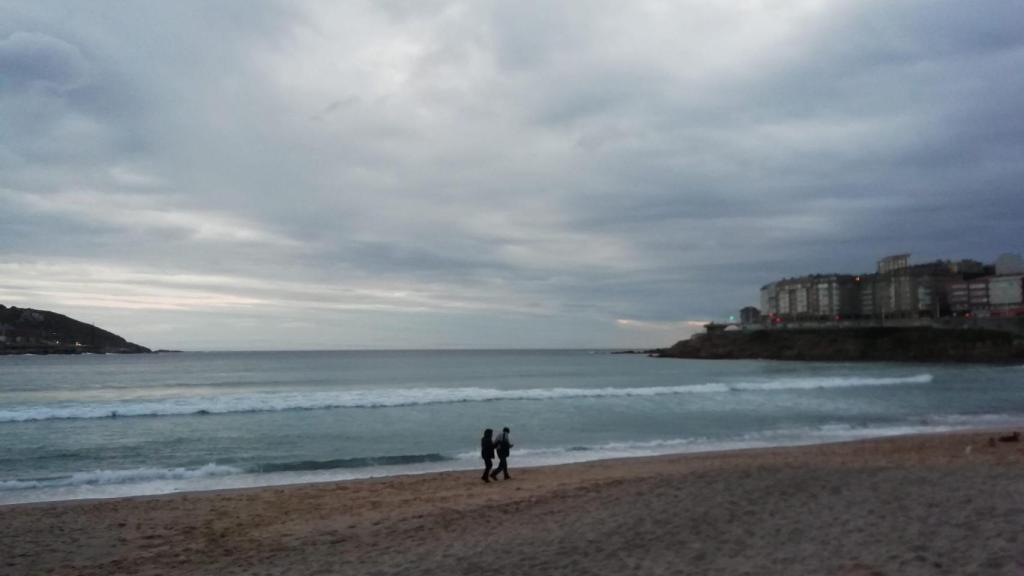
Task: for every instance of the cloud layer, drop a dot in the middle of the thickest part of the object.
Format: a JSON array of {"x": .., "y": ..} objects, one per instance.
[{"x": 488, "y": 174}]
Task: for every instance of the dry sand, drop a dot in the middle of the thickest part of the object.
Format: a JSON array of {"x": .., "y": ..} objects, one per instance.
[{"x": 939, "y": 504}]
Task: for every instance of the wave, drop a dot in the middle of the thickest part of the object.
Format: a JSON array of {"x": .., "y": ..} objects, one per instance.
[
  {"x": 834, "y": 382},
  {"x": 973, "y": 420},
  {"x": 109, "y": 483},
  {"x": 387, "y": 398},
  {"x": 795, "y": 436},
  {"x": 211, "y": 470},
  {"x": 130, "y": 476},
  {"x": 340, "y": 463}
]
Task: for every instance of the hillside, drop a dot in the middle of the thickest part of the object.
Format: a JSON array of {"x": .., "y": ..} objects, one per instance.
[
  {"x": 883, "y": 344},
  {"x": 28, "y": 331}
]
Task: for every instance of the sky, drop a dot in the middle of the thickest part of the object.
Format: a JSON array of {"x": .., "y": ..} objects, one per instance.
[{"x": 253, "y": 175}]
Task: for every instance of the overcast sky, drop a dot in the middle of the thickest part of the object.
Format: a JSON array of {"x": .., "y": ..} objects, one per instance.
[{"x": 481, "y": 174}]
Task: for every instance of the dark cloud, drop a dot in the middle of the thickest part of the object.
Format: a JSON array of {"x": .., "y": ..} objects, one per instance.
[
  {"x": 491, "y": 173},
  {"x": 36, "y": 60}
]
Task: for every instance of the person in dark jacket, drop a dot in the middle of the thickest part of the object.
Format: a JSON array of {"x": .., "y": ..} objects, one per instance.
[
  {"x": 504, "y": 445},
  {"x": 487, "y": 452}
]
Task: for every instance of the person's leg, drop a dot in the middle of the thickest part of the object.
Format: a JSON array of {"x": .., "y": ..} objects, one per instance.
[
  {"x": 487, "y": 470},
  {"x": 504, "y": 467},
  {"x": 500, "y": 468}
]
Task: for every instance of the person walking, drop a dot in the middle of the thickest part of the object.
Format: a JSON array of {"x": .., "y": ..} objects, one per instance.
[
  {"x": 504, "y": 445},
  {"x": 487, "y": 452}
]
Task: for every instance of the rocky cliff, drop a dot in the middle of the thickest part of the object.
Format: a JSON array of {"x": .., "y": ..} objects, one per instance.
[
  {"x": 28, "y": 331},
  {"x": 881, "y": 344}
]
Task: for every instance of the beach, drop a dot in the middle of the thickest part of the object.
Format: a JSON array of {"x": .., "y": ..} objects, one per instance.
[{"x": 926, "y": 504}]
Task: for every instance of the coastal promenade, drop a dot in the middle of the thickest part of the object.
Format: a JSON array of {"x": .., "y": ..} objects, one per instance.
[{"x": 936, "y": 504}]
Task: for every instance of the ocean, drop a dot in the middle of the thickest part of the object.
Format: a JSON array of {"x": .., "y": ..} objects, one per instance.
[{"x": 97, "y": 426}]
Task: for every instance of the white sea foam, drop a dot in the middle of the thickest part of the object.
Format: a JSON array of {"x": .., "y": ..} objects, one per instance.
[
  {"x": 380, "y": 398},
  {"x": 972, "y": 420},
  {"x": 141, "y": 481},
  {"x": 838, "y": 432},
  {"x": 833, "y": 382},
  {"x": 130, "y": 476},
  {"x": 798, "y": 436}
]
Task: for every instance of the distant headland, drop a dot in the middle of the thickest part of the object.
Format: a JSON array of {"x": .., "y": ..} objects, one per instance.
[
  {"x": 29, "y": 331},
  {"x": 877, "y": 344},
  {"x": 941, "y": 311}
]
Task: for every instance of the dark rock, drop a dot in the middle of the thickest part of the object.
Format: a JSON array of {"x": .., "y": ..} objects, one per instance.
[
  {"x": 878, "y": 344},
  {"x": 28, "y": 331}
]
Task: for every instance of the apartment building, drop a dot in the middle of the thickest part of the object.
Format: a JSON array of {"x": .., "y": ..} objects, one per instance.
[
  {"x": 899, "y": 289},
  {"x": 817, "y": 296}
]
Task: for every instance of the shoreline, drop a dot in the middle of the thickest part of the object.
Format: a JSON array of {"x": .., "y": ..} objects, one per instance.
[
  {"x": 251, "y": 480},
  {"x": 925, "y": 503}
]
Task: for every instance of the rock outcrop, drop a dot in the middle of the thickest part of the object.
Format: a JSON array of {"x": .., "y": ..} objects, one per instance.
[{"x": 879, "y": 344}]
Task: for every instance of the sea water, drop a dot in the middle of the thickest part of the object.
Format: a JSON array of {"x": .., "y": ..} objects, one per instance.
[{"x": 112, "y": 425}]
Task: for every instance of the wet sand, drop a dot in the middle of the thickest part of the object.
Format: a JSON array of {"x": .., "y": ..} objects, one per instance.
[{"x": 936, "y": 504}]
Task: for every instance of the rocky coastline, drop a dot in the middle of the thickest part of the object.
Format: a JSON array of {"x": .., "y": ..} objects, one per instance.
[
  {"x": 874, "y": 344},
  {"x": 41, "y": 332}
]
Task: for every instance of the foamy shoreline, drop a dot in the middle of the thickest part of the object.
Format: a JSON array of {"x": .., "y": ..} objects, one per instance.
[
  {"x": 306, "y": 400},
  {"x": 925, "y": 504},
  {"x": 108, "y": 484}
]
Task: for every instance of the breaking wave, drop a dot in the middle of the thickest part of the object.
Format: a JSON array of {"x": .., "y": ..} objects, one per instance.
[
  {"x": 131, "y": 476},
  {"x": 137, "y": 481},
  {"x": 211, "y": 470},
  {"x": 384, "y": 398},
  {"x": 339, "y": 463}
]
